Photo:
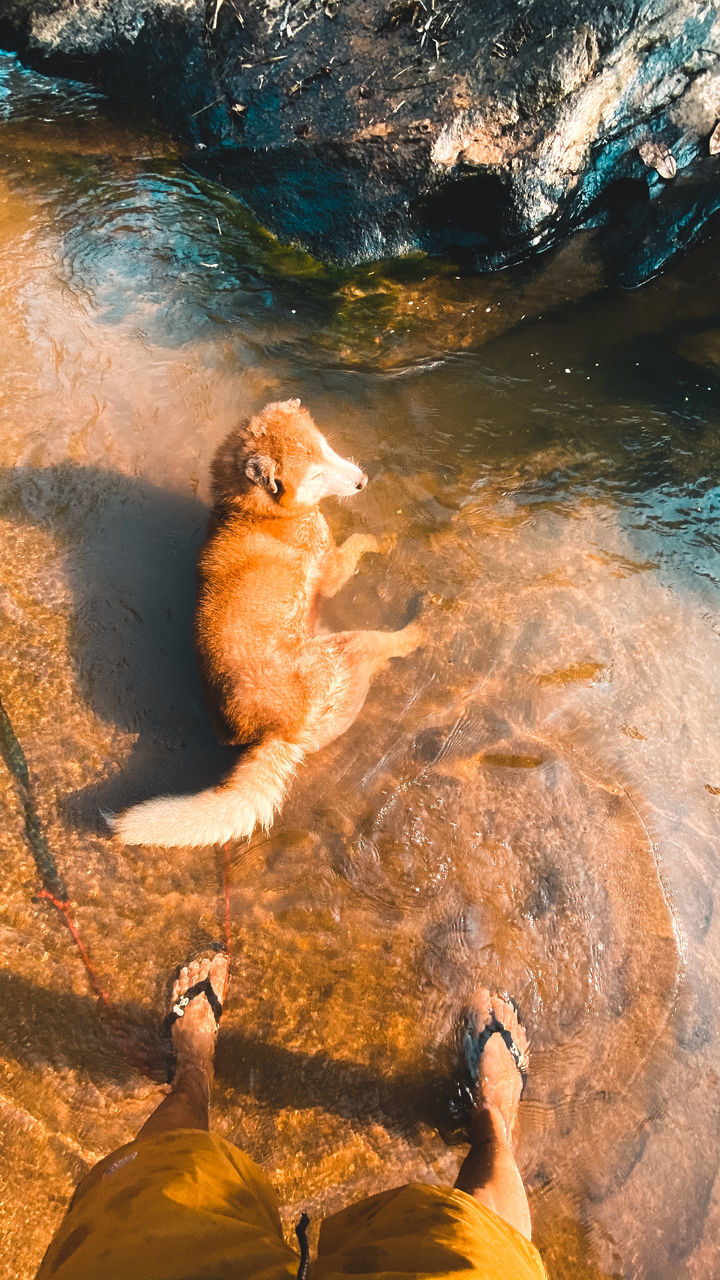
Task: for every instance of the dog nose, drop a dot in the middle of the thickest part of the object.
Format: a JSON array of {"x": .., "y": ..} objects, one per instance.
[{"x": 362, "y": 481}]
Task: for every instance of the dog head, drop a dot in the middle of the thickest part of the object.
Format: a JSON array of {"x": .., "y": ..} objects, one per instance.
[{"x": 282, "y": 459}]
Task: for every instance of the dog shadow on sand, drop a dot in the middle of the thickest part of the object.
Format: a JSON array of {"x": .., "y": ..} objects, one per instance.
[{"x": 128, "y": 551}]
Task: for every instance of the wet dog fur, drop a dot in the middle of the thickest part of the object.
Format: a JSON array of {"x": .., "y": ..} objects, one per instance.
[{"x": 274, "y": 686}]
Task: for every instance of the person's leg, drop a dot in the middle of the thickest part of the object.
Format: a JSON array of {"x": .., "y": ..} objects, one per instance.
[
  {"x": 178, "y": 1200},
  {"x": 489, "y": 1172},
  {"x": 194, "y": 1035}
]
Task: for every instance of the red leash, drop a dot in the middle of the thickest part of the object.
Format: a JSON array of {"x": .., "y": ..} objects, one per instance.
[
  {"x": 55, "y": 892},
  {"x": 94, "y": 976},
  {"x": 140, "y": 1062},
  {"x": 53, "y": 887},
  {"x": 64, "y": 906}
]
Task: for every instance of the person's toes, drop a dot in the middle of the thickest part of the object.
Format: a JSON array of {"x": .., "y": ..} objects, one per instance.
[
  {"x": 506, "y": 1013},
  {"x": 183, "y": 982},
  {"x": 218, "y": 975},
  {"x": 481, "y": 1006},
  {"x": 496, "y": 1070},
  {"x": 180, "y": 984}
]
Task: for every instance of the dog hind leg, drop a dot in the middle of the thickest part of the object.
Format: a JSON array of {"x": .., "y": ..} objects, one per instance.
[{"x": 355, "y": 657}]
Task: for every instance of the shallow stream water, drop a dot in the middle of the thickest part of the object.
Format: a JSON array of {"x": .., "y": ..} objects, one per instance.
[{"x": 532, "y": 801}]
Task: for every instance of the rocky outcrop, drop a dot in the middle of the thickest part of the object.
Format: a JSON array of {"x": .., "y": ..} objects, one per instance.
[{"x": 484, "y": 131}]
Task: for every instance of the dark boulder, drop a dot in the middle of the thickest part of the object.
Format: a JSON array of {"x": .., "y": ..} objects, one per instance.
[{"x": 361, "y": 131}]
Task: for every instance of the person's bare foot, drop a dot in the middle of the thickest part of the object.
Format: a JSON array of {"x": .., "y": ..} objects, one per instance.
[
  {"x": 499, "y": 1070},
  {"x": 195, "y": 1025}
]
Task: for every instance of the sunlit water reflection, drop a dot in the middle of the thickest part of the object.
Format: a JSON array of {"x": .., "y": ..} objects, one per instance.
[{"x": 530, "y": 801}]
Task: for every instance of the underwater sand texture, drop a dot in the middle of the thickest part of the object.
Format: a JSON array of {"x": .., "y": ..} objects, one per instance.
[{"x": 530, "y": 801}]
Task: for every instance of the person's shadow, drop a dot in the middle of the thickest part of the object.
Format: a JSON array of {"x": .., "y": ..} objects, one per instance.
[
  {"x": 113, "y": 1051},
  {"x": 128, "y": 549}
]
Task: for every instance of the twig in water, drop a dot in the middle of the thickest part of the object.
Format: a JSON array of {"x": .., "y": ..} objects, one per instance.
[
  {"x": 13, "y": 755},
  {"x": 264, "y": 62},
  {"x": 206, "y": 107},
  {"x": 212, "y": 25}
]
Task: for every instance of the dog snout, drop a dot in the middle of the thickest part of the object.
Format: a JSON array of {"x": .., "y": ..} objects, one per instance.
[{"x": 360, "y": 484}]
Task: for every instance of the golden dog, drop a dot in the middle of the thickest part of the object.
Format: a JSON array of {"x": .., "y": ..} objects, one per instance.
[{"x": 274, "y": 686}]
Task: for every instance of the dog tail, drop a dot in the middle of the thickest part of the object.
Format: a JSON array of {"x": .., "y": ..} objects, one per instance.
[{"x": 248, "y": 798}]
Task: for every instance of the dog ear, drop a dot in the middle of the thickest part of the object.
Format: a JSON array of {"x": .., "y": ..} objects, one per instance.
[{"x": 260, "y": 468}]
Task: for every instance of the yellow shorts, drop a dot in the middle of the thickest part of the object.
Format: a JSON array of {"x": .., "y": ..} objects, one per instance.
[{"x": 190, "y": 1206}]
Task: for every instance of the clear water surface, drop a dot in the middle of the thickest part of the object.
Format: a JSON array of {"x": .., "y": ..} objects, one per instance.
[{"x": 531, "y": 801}]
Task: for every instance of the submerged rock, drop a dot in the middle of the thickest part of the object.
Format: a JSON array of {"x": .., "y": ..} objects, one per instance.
[{"x": 366, "y": 131}]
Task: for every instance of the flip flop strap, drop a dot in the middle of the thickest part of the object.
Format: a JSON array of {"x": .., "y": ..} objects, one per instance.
[
  {"x": 204, "y": 988},
  {"x": 496, "y": 1027}
]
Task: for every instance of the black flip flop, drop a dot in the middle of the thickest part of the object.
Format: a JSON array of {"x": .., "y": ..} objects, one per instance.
[
  {"x": 473, "y": 1042},
  {"x": 202, "y": 988}
]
